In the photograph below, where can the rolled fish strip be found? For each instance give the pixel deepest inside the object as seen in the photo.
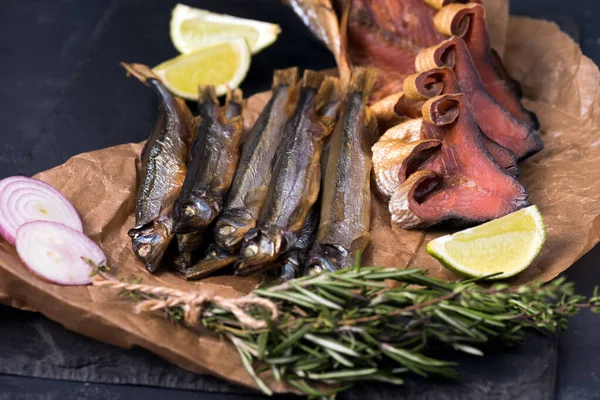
(391, 159)
(468, 22)
(437, 81)
(395, 109)
(437, 4)
(469, 188)
(401, 202)
(495, 120)
(431, 83)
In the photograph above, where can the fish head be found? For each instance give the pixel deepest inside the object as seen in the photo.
(183, 262)
(194, 214)
(260, 247)
(188, 242)
(214, 260)
(150, 243)
(231, 228)
(326, 258)
(292, 267)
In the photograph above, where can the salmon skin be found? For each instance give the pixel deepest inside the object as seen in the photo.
(251, 181)
(346, 197)
(212, 163)
(162, 173)
(297, 173)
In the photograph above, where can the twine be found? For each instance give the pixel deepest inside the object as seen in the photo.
(193, 303)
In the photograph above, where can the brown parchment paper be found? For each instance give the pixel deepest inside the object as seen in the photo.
(561, 86)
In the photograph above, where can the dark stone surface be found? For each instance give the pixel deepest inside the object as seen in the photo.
(31, 345)
(19, 388)
(64, 93)
(35, 346)
(524, 372)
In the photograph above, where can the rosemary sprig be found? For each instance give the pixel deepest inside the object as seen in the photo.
(378, 324)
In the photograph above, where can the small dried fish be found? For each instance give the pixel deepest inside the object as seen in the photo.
(250, 184)
(163, 171)
(212, 162)
(296, 186)
(346, 202)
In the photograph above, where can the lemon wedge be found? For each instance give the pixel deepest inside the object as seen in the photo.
(193, 29)
(505, 246)
(224, 65)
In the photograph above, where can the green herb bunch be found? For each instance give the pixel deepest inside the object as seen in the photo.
(378, 324)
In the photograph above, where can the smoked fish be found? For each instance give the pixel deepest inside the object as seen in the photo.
(293, 260)
(253, 176)
(212, 163)
(346, 196)
(162, 173)
(297, 173)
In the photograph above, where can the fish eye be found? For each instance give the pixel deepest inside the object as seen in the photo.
(226, 230)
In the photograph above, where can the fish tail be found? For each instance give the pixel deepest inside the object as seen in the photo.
(235, 96)
(312, 79)
(362, 81)
(329, 97)
(285, 77)
(207, 93)
(343, 62)
(207, 100)
(234, 105)
(140, 71)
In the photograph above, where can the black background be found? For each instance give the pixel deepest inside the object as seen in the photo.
(63, 93)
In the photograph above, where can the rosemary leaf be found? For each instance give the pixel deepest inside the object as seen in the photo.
(292, 339)
(332, 345)
(315, 297)
(246, 360)
(339, 358)
(343, 374)
(338, 328)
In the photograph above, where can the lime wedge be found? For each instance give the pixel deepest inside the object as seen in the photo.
(193, 29)
(224, 65)
(507, 245)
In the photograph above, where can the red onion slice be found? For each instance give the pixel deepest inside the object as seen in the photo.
(25, 199)
(54, 252)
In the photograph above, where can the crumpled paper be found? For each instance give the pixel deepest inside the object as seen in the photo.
(561, 86)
